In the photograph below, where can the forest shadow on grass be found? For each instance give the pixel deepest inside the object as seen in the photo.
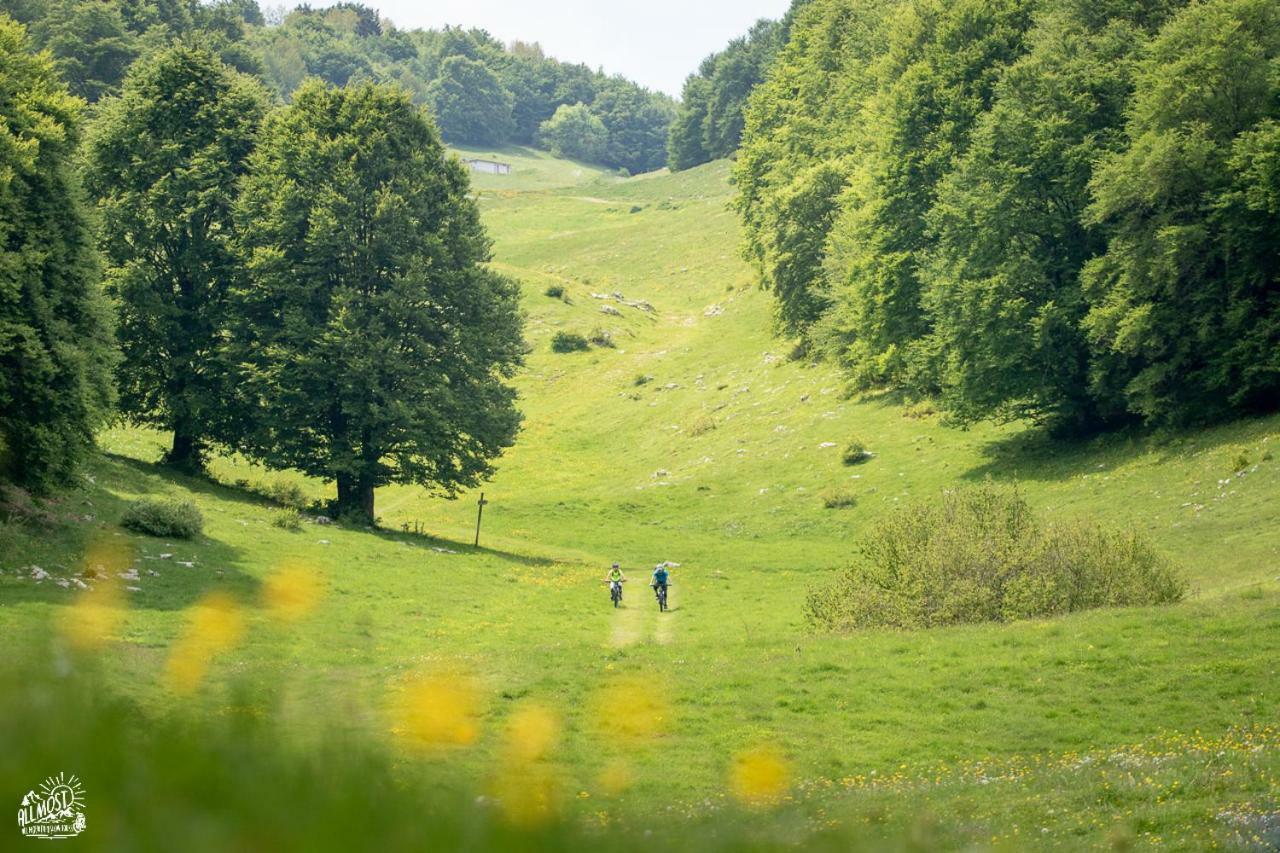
(90, 528)
(1035, 455)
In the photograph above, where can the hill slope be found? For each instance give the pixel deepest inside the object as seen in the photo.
(695, 439)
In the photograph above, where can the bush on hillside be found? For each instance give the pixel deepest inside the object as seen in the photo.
(568, 342)
(980, 555)
(555, 291)
(602, 338)
(180, 519)
(837, 497)
(702, 425)
(287, 519)
(854, 452)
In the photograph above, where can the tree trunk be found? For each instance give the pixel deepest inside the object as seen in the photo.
(187, 453)
(355, 498)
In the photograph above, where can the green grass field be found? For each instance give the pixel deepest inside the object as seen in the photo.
(696, 439)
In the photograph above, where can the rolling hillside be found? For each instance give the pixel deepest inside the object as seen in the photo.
(696, 438)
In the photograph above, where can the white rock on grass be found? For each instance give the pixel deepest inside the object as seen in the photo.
(38, 573)
(826, 444)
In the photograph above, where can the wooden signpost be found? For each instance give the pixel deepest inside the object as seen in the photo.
(479, 515)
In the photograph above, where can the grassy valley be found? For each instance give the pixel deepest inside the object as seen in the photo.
(697, 438)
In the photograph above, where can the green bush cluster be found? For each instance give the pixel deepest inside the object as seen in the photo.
(980, 555)
(855, 452)
(555, 291)
(568, 342)
(837, 497)
(176, 518)
(287, 519)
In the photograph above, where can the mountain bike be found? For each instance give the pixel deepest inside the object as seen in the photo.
(661, 591)
(615, 592)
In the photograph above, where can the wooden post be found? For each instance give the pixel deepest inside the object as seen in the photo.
(479, 515)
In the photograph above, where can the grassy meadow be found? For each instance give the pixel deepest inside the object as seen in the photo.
(502, 672)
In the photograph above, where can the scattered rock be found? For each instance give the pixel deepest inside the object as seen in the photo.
(713, 311)
(134, 588)
(610, 310)
(324, 541)
(63, 582)
(323, 519)
(190, 565)
(38, 573)
(660, 473)
(166, 556)
(827, 444)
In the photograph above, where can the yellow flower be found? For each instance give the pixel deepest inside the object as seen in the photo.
(527, 793)
(292, 592)
(616, 777)
(441, 711)
(759, 776)
(214, 625)
(532, 732)
(97, 613)
(632, 708)
(94, 617)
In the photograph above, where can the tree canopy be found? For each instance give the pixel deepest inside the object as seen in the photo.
(374, 345)
(55, 332)
(1023, 207)
(164, 161)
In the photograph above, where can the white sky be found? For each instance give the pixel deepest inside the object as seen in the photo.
(657, 43)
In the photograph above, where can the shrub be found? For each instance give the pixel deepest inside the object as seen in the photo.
(568, 342)
(854, 452)
(642, 379)
(180, 519)
(837, 497)
(702, 425)
(1241, 462)
(601, 338)
(287, 495)
(287, 519)
(979, 555)
(555, 291)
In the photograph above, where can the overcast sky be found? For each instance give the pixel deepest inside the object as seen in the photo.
(655, 42)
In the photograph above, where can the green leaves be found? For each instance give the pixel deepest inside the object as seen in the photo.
(55, 332)
(372, 342)
(1035, 210)
(164, 161)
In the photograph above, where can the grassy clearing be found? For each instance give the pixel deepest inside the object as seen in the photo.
(612, 468)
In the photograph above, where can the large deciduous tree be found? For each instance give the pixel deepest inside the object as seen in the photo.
(574, 132)
(164, 160)
(371, 334)
(55, 335)
(470, 103)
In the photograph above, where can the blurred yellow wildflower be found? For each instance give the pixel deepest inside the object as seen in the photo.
(441, 711)
(98, 611)
(292, 592)
(632, 707)
(616, 777)
(759, 776)
(214, 625)
(527, 793)
(94, 617)
(531, 733)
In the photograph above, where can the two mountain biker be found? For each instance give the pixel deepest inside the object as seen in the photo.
(659, 582)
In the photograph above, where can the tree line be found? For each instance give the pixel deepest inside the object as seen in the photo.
(480, 91)
(1054, 210)
(305, 284)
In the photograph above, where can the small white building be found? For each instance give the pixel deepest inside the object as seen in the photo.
(489, 167)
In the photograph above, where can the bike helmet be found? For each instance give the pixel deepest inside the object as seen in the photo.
(616, 566)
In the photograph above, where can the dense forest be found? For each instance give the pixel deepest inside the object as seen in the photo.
(1056, 210)
(480, 91)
